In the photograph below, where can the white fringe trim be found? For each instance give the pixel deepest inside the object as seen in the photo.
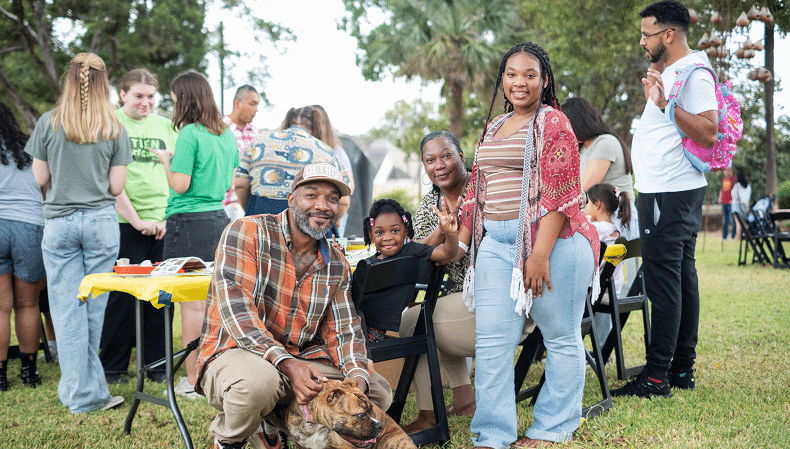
(468, 294)
(596, 287)
(523, 299)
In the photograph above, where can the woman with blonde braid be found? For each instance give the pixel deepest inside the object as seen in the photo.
(80, 150)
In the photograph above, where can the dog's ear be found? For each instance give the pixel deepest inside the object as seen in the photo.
(334, 395)
(350, 382)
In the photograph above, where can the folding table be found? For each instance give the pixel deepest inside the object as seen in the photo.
(160, 291)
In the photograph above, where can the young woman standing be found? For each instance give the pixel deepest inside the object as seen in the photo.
(199, 174)
(21, 263)
(80, 150)
(537, 256)
(141, 216)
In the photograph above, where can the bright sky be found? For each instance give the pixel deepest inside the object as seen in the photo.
(320, 68)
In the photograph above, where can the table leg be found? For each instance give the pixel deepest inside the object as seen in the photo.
(138, 320)
(142, 368)
(171, 395)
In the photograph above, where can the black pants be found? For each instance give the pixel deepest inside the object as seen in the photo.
(669, 223)
(118, 333)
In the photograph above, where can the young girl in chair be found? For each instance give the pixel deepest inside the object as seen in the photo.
(389, 227)
(603, 202)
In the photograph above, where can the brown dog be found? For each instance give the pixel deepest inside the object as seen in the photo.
(342, 417)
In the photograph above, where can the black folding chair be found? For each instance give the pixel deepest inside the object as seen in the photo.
(780, 259)
(752, 236)
(619, 308)
(533, 348)
(411, 274)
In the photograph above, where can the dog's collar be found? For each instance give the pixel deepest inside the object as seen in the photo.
(307, 414)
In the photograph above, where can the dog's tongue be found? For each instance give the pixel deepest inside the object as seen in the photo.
(360, 443)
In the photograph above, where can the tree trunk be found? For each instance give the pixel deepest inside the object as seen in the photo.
(770, 142)
(29, 113)
(455, 103)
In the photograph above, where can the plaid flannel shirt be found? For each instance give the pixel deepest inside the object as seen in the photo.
(256, 303)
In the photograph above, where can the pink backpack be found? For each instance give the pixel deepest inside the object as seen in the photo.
(730, 129)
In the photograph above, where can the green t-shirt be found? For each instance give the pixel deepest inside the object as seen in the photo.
(210, 160)
(80, 172)
(146, 182)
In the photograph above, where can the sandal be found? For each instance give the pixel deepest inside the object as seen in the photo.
(418, 425)
(527, 442)
(466, 410)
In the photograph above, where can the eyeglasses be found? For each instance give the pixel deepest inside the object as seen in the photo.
(645, 36)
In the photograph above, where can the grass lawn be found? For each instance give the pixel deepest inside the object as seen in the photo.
(742, 398)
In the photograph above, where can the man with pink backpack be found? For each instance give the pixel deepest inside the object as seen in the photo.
(671, 194)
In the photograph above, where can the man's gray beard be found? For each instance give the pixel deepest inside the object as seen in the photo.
(303, 224)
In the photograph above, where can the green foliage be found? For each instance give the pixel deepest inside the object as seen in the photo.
(595, 53)
(784, 196)
(404, 197)
(407, 123)
(164, 36)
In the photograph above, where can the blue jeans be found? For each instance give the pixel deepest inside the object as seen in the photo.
(726, 220)
(74, 246)
(557, 313)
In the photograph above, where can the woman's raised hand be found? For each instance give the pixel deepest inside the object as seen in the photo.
(448, 216)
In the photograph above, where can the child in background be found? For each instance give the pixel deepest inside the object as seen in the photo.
(603, 202)
(389, 227)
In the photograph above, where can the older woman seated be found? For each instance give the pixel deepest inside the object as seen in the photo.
(454, 325)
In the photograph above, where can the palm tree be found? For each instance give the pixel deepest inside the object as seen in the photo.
(449, 40)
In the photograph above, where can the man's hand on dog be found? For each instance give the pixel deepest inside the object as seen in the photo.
(361, 384)
(306, 380)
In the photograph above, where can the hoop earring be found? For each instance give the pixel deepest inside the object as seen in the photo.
(426, 180)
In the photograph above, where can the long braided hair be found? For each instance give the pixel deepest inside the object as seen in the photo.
(386, 206)
(84, 110)
(12, 139)
(548, 93)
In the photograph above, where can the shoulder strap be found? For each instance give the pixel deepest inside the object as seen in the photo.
(683, 75)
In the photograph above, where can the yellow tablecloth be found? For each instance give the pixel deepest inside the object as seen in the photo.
(182, 288)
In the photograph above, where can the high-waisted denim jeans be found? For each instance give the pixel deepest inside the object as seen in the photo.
(74, 246)
(557, 313)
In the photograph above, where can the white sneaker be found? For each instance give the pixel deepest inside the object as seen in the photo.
(182, 388)
(115, 401)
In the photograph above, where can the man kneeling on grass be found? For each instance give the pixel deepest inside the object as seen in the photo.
(279, 317)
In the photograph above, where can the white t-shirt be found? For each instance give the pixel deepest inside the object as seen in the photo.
(741, 196)
(656, 152)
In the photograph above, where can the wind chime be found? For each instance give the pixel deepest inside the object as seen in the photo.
(725, 29)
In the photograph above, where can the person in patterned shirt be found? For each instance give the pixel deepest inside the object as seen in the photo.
(268, 166)
(245, 106)
(279, 316)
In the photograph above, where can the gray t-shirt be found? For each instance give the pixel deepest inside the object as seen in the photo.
(20, 196)
(607, 147)
(80, 172)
